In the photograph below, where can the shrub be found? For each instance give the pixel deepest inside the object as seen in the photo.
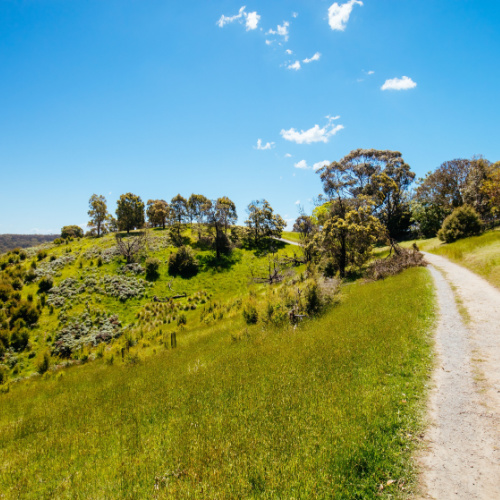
(19, 339)
(43, 362)
(152, 267)
(5, 291)
(250, 314)
(45, 284)
(313, 299)
(182, 320)
(4, 374)
(17, 284)
(41, 254)
(463, 222)
(25, 311)
(30, 276)
(182, 263)
(71, 232)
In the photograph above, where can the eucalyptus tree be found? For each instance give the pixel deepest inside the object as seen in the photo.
(98, 213)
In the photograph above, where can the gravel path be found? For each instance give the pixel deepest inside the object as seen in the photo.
(462, 455)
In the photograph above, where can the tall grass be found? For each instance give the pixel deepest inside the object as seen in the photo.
(480, 254)
(323, 410)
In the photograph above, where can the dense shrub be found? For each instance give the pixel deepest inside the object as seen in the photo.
(71, 232)
(19, 339)
(313, 299)
(26, 312)
(45, 284)
(17, 284)
(4, 374)
(250, 314)
(182, 263)
(5, 291)
(152, 267)
(43, 362)
(41, 254)
(463, 222)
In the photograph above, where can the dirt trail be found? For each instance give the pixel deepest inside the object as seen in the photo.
(462, 456)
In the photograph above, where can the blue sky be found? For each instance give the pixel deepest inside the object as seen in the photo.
(162, 97)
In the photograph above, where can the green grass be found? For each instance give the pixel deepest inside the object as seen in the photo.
(225, 281)
(291, 236)
(324, 410)
(480, 254)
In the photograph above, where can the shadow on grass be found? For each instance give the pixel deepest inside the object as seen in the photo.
(264, 247)
(223, 263)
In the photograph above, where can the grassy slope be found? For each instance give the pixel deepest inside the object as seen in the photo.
(480, 254)
(223, 284)
(291, 236)
(323, 410)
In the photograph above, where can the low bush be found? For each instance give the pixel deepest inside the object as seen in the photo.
(43, 362)
(250, 314)
(45, 284)
(183, 263)
(152, 266)
(71, 232)
(463, 222)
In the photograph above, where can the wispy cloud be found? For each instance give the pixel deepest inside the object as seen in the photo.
(289, 52)
(296, 66)
(404, 83)
(281, 30)
(338, 15)
(302, 164)
(297, 202)
(370, 72)
(314, 134)
(251, 19)
(288, 155)
(295, 14)
(263, 147)
(315, 57)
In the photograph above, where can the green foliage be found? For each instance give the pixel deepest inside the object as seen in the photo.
(262, 222)
(152, 266)
(98, 213)
(463, 222)
(4, 374)
(19, 339)
(5, 291)
(183, 263)
(17, 284)
(313, 299)
(250, 314)
(130, 212)
(45, 284)
(71, 232)
(43, 362)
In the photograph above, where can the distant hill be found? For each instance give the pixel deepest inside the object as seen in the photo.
(11, 241)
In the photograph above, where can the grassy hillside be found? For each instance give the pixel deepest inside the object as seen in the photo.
(480, 254)
(96, 297)
(324, 409)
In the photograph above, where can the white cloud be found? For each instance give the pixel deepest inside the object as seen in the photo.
(269, 42)
(229, 19)
(338, 15)
(315, 57)
(295, 14)
(281, 30)
(260, 146)
(251, 19)
(314, 134)
(371, 73)
(295, 66)
(289, 52)
(297, 202)
(320, 164)
(403, 83)
(302, 164)
(288, 155)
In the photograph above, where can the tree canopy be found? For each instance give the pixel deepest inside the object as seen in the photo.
(130, 212)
